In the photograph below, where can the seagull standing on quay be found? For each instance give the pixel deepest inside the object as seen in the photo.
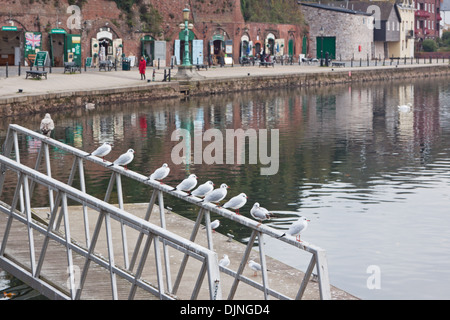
(255, 266)
(225, 261)
(187, 184)
(124, 159)
(260, 213)
(47, 125)
(214, 225)
(203, 189)
(102, 151)
(236, 202)
(217, 195)
(296, 228)
(160, 173)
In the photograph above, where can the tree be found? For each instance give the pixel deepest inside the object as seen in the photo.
(429, 45)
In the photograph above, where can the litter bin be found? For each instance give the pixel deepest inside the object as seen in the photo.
(126, 64)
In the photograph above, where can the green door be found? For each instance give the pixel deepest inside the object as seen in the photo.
(73, 48)
(329, 45)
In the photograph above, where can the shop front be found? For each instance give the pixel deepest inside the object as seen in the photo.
(11, 45)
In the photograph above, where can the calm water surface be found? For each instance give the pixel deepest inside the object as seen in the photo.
(374, 181)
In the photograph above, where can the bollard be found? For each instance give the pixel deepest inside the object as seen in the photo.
(153, 76)
(7, 69)
(169, 75)
(50, 69)
(165, 76)
(360, 62)
(19, 70)
(158, 63)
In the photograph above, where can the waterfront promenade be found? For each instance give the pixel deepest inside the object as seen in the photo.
(94, 80)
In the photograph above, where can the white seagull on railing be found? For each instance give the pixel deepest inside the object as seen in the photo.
(296, 228)
(255, 266)
(187, 184)
(260, 213)
(236, 202)
(203, 189)
(216, 195)
(102, 151)
(124, 159)
(160, 173)
(47, 125)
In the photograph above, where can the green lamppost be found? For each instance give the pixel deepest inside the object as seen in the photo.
(186, 60)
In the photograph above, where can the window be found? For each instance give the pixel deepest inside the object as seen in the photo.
(387, 26)
(432, 8)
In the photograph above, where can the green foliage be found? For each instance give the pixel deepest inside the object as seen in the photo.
(149, 17)
(272, 11)
(446, 38)
(429, 45)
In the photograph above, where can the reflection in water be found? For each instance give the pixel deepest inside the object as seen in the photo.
(373, 180)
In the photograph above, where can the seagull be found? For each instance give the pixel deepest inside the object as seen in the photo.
(47, 125)
(260, 213)
(296, 228)
(102, 151)
(405, 107)
(255, 266)
(214, 225)
(160, 173)
(236, 202)
(124, 159)
(225, 261)
(217, 195)
(187, 184)
(203, 189)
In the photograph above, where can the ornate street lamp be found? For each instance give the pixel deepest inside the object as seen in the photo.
(186, 26)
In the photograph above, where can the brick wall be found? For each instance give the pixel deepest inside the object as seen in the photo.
(208, 17)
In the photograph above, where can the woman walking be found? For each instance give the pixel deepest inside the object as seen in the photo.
(142, 66)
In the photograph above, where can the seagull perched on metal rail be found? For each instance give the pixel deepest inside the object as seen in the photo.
(160, 173)
(47, 125)
(296, 228)
(236, 202)
(217, 195)
(260, 213)
(203, 189)
(102, 151)
(124, 159)
(187, 184)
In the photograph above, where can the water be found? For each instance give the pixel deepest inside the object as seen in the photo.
(373, 181)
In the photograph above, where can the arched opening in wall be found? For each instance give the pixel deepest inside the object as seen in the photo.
(244, 48)
(257, 49)
(11, 42)
(57, 38)
(106, 46)
(270, 44)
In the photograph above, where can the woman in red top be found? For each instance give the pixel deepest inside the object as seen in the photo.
(142, 66)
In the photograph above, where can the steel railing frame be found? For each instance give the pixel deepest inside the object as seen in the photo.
(258, 231)
(107, 212)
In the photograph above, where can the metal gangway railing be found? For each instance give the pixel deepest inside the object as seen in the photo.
(318, 261)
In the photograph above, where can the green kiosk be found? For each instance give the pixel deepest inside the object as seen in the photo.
(64, 47)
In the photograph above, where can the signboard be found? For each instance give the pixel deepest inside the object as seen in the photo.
(9, 28)
(89, 62)
(58, 31)
(41, 59)
(33, 44)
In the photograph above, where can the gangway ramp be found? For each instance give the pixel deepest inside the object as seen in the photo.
(126, 256)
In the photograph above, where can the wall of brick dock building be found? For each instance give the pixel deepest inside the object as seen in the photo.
(209, 17)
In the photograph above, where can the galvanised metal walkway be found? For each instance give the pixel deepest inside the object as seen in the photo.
(44, 257)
